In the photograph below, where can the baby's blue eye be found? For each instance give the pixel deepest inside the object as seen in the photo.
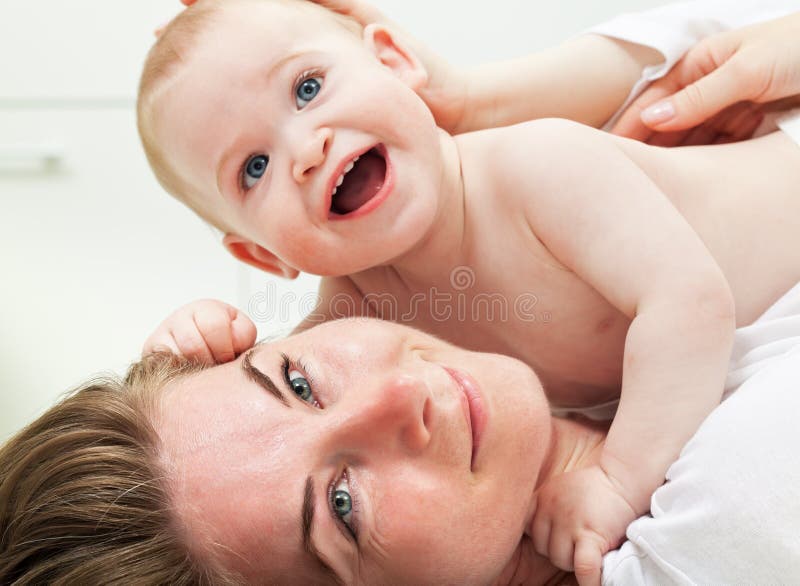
(307, 91)
(254, 169)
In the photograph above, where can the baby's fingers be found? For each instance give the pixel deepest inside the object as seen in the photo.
(243, 332)
(540, 533)
(190, 341)
(588, 560)
(561, 549)
(216, 329)
(160, 341)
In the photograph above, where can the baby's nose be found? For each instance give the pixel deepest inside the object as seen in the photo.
(310, 152)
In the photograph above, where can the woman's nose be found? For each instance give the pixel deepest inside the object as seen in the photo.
(310, 152)
(394, 415)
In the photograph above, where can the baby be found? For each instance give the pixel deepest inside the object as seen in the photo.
(303, 138)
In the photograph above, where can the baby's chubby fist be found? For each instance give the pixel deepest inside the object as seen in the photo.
(580, 515)
(207, 330)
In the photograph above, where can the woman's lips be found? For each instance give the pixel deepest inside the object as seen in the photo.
(475, 408)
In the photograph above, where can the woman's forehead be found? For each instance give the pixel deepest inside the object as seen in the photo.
(235, 479)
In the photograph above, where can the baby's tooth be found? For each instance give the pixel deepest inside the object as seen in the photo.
(340, 180)
(349, 166)
(334, 191)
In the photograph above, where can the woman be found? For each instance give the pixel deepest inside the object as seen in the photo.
(358, 451)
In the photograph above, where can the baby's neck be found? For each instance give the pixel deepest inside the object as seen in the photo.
(443, 246)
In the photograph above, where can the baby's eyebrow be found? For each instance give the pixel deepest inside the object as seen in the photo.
(261, 378)
(283, 62)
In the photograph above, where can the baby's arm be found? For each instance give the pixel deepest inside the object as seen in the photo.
(603, 217)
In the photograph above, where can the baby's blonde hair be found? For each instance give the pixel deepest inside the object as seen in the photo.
(83, 498)
(168, 54)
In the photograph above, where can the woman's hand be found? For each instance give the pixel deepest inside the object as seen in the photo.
(580, 515)
(757, 64)
(207, 331)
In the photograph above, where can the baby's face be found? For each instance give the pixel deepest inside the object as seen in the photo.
(297, 136)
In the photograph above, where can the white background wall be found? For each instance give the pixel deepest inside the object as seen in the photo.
(93, 253)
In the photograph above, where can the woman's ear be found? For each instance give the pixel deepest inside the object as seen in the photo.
(251, 253)
(392, 52)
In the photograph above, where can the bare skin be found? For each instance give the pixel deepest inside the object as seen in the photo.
(629, 258)
(576, 342)
(579, 348)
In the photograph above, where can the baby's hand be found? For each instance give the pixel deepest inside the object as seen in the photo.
(580, 515)
(209, 331)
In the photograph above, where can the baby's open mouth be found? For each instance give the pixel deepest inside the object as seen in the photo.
(360, 184)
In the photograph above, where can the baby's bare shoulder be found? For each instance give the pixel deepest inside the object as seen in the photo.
(530, 158)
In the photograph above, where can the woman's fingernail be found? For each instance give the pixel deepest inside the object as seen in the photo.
(658, 113)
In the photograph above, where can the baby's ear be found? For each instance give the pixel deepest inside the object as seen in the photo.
(392, 52)
(251, 253)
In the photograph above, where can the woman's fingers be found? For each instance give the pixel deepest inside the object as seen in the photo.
(699, 100)
(630, 122)
(363, 12)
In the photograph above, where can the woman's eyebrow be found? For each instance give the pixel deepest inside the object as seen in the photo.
(262, 379)
(307, 524)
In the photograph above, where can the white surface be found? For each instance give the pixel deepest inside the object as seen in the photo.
(730, 511)
(93, 253)
(76, 48)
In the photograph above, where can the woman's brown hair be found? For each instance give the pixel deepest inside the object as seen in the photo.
(83, 499)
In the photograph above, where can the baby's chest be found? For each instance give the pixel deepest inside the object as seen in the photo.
(539, 313)
(553, 321)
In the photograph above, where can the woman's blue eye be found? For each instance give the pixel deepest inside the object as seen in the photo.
(300, 386)
(343, 504)
(307, 91)
(298, 383)
(254, 169)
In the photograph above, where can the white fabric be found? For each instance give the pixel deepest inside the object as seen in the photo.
(730, 510)
(675, 28)
(789, 122)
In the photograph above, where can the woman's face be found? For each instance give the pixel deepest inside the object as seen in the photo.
(371, 459)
